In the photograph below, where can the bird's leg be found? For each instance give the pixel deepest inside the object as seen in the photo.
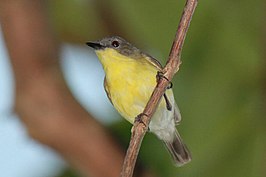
(168, 104)
(160, 75)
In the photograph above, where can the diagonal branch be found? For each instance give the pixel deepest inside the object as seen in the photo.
(139, 129)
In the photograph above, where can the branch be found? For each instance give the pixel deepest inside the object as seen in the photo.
(139, 129)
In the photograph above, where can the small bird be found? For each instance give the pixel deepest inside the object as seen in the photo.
(130, 78)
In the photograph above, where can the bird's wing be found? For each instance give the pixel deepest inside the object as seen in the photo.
(153, 61)
(107, 91)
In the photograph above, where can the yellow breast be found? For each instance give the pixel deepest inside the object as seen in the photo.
(129, 82)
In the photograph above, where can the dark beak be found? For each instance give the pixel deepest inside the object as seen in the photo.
(95, 45)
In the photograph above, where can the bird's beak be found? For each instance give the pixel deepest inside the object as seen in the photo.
(95, 45)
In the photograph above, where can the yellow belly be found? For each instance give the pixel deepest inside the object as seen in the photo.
(129, 82)
(130, 90)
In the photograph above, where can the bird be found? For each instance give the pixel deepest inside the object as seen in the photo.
(130, 78)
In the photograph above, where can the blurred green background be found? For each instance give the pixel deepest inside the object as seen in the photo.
(219, 87)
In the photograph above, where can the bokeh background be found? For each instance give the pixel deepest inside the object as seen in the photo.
(220, 88)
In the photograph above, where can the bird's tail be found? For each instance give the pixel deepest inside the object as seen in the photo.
(178, 150)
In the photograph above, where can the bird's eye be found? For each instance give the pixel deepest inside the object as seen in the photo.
(115, 44)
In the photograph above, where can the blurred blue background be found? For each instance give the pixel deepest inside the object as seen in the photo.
(20, 156)
(219, 87)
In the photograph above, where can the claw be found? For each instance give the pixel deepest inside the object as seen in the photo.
(170, 85)
(139, 120)
(160, 75)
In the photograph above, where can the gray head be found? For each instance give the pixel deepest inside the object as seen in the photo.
(117, 43)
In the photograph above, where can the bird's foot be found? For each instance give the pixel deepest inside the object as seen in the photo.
(161, 75)
(138, 119)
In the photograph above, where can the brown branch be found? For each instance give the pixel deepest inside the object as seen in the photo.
(139, 129)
